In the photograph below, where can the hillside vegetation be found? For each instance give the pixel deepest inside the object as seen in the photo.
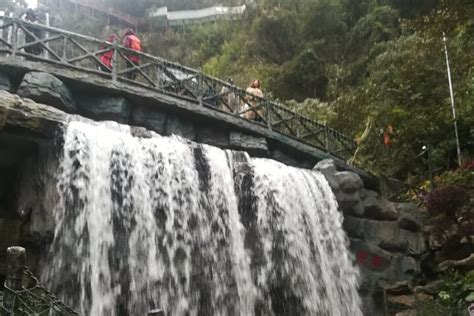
(365, 67)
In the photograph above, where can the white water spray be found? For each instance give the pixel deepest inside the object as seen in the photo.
(164, 223)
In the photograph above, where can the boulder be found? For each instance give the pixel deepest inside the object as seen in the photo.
(47, 89)
(105, 108)
(431, 288)
(256, 146)
(410, 221)
(5, 83)
(328, 168)
(399, 288)
(150, 118)
(407, 268)
(348, 201)
(176, 125)
(385, 234)
(213, 135)
(349, 182)
(402, 301)
(376, 207)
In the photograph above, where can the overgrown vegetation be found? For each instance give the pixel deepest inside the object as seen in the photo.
(350, 63)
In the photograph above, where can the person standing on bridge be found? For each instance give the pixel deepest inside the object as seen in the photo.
(107, 56)
(250, 106)
(132, 42)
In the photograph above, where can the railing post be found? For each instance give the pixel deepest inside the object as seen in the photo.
(326, 136)
(200, 88)
(269, 114)
(114, 63)
(16, 260)
(14, 38)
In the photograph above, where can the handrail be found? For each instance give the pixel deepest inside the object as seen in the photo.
(80, 52)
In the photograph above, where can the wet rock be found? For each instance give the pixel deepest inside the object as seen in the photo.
(378, 208)
(151, 118)
(409, 221)
(38, 197)
(214, 136)
(176, 125)
(254, 145)
(408, 268)
(431, 288)
(349, 182)
(141, 132)
(328, 168)
(47, 89)
(105, 108)
(385, 234)
(402, 301)
(5, 83)
(399, 288)
(347, 201)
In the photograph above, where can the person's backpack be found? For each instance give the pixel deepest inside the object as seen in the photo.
(135, 43)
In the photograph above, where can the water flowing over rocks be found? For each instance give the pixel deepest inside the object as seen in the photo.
(164, 223)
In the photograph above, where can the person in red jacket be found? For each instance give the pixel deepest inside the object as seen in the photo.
(131, 41)
(106, 57)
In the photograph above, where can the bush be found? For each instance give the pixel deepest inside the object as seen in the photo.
(461, 177)
(447, 200)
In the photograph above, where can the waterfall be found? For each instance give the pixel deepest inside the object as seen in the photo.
(162, 222)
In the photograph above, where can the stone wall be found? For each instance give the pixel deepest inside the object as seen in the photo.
(386, 238)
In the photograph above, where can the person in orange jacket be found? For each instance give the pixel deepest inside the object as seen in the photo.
(131, 41)
(106, 57)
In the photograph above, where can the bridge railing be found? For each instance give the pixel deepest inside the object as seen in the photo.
(19, 39)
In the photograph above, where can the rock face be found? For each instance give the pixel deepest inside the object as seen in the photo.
(176, 125)
(150, 118)
(386, 238)
(252, 144)
(5, 83)
(106, 108)
(47, 89)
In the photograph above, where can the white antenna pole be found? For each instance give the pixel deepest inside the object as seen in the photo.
(458, 146)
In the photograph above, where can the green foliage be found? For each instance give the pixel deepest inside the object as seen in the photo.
(457, 289)
(460, 177)
(370, 61)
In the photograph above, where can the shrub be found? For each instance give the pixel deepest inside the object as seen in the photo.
(461, 177)
(447, 200)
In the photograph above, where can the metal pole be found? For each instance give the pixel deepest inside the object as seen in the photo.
(16, 260)
(458, 146)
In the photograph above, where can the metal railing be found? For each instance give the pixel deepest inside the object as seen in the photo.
(79, 52)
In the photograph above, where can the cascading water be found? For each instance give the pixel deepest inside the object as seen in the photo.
(160, 222)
